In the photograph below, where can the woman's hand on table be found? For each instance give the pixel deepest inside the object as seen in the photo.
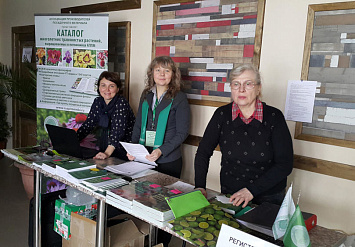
(243, 195)
(104, 155)
(101, 156)
(203, 191)
(154, 155)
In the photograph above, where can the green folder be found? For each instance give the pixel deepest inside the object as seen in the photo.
(187, 202)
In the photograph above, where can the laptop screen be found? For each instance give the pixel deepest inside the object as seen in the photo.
(65, 141)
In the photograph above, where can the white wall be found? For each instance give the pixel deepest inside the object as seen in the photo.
(332, 199)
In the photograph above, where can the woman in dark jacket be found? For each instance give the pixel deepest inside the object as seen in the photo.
(163, 117)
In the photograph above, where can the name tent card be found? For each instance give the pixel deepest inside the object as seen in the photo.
(231, 237)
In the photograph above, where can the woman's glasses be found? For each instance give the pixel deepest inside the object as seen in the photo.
(248, 85)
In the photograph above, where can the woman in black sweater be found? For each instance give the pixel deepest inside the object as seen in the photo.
(256, 145)
(112, 115)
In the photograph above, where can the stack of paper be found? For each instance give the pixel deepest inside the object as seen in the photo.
(154, 205)
(105, 182)
(79, 175)
(50, 165)
(64, 167)
(16, 152)
(129, 168)
(123, 196)
(36, 159)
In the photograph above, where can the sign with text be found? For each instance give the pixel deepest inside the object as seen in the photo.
(300, 100)
(71, 53)
(231, 237)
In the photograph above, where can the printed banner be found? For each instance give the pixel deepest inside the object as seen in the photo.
(71, 53)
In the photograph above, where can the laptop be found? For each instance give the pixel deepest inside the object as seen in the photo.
(65, 141)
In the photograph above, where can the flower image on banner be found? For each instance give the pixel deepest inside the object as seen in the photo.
(296, 234)
(84, 58)
(66, 119)
(54, 56)
(102, 57)
(75, 123)
(67, 59)
(41, 56)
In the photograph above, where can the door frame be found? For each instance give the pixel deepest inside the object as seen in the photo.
(17, 109)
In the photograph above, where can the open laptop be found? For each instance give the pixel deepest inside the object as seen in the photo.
(65, 141)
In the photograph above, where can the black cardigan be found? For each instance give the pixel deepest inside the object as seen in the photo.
(120, 126)
(257, 156)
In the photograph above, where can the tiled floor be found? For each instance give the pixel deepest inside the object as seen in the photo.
(14, 206)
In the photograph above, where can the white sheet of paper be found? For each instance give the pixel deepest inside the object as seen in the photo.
(143, 173)
(182, 186)
(129, 168)
(138, 151)
(300, 100)
(223, 199)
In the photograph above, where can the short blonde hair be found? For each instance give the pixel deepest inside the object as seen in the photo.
(237, 71)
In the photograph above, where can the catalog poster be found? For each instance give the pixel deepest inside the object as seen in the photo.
(71, 53)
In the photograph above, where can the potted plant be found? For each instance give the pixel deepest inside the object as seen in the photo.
(22, 88)
(5, 128)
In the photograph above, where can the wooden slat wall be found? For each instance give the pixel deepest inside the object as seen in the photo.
(316, 132)
(220, 34)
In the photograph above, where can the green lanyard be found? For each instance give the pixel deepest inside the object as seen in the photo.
(154, 110)
(161, 125)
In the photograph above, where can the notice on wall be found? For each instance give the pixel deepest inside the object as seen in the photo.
(26, 54)
(300, 100)
(71, 53)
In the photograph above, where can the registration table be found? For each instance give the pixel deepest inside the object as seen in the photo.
(319, 236)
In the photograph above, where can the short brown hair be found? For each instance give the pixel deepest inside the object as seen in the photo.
(110, 76)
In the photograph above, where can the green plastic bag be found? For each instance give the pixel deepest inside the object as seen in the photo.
(187, 202)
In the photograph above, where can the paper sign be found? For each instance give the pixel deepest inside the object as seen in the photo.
(27, 54)
(231, 237)
(300, 100)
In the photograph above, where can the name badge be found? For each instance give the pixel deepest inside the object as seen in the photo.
(150, 138)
